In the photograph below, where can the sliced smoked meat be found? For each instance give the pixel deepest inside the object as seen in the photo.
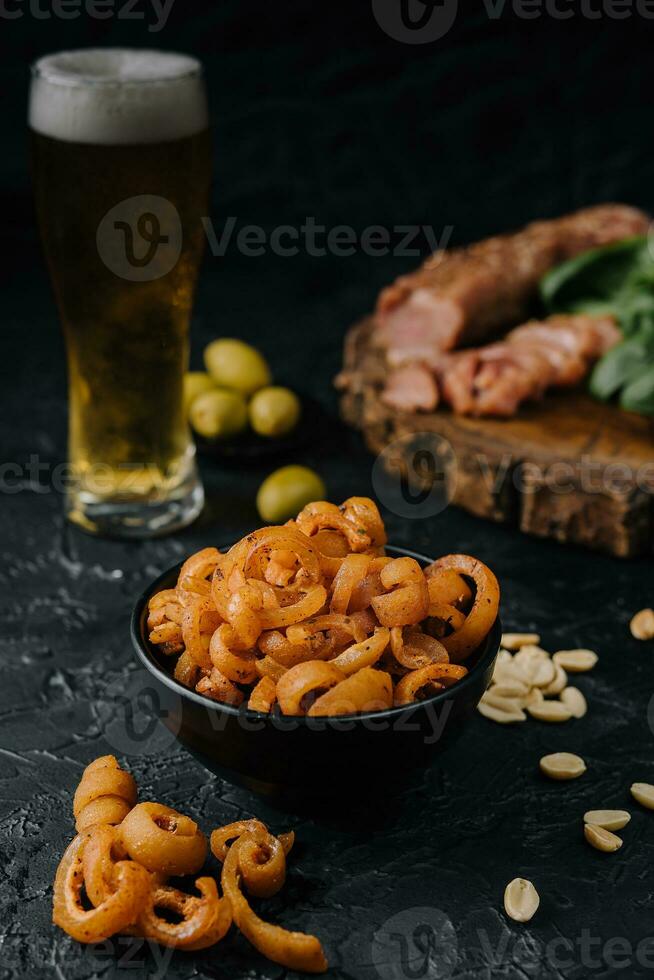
(465, 295)
(496, 379)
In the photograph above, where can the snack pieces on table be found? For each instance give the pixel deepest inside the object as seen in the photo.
(113, 877)
(314, 618)
(105, 795)
(256, 862)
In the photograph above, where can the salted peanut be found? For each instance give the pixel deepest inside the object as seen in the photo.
(562, 765)
(574, 699)
(504, 659)
(608, 819)
(644, 794)
(535, 696)
(508, 677)
(641, 625)
(511, 689)
(521, 900)
(527, 657)
(558, 684)
(513, 641)
(550, 711)
(512, 673)
(497, 714)
(601, 839)
(503, 703)
(531, 650)
(535, 665)
(575, 661)
(543, 674)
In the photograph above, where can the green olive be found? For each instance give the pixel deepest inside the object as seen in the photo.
(285, 492)
(274, 411)
(233, 364)
(219, 414)
(195, 383)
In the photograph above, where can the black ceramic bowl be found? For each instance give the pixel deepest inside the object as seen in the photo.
(296, 757)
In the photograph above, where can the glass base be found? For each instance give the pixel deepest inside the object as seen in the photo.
(137, 518)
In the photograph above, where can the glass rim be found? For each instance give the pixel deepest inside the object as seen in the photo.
(54, 76)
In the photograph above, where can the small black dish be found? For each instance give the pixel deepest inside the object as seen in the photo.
(250, 447)
(295, 758)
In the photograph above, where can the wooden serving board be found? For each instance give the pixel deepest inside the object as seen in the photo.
(568, 467)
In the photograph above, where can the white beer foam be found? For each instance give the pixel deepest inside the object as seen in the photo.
(117, 96)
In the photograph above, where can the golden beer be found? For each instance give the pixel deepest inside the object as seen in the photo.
(121, 168)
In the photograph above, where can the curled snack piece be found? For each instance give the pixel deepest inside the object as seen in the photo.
(194, 630)
(447, 586)
(216, 686)
(321, 515)
(365, 690)
(187, 670)
(131, 888)
(407, 599)
(224, 836)
(318, 589)
(479, 621)
(263, 696)
(349, 575)
(204, 919)
(267, 667)
(106, 794)
(414, 649)
(363, 654)
(193, 581)
(102, 850)
(427, 680)
(364, 512)
(262, 858)
(238, 667)
(294, 950)
(161, 839)
(304, 683)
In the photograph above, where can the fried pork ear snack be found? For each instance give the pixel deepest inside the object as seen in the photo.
(163, 840)
(101, 853)
(203, 920)
(105, 795)
(365, 690)
(257, 861)
(122, 872)
(289, 613)
(479, 620)
(131, 887)
(434, 678)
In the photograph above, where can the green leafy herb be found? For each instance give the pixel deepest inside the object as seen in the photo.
(617, 280)
(638, 396)
(619, 366)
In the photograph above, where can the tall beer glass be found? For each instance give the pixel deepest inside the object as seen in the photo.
(121, 164)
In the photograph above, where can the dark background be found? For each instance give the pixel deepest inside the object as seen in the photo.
(317, 112)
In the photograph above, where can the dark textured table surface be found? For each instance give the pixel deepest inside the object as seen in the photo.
(319, 113)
